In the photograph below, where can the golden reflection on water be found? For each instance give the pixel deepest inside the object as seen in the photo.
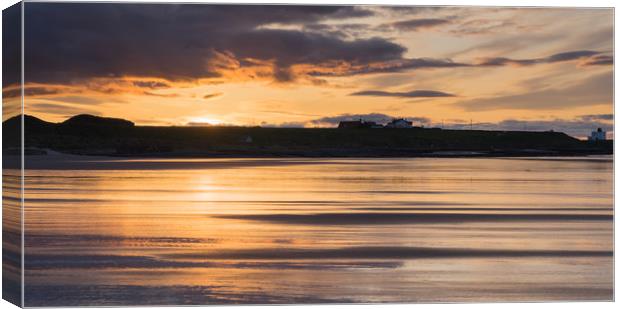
(319, 230)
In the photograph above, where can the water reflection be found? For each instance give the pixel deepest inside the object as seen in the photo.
(317, 230)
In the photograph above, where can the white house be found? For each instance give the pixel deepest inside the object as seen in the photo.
(399, 123)
(598, 135)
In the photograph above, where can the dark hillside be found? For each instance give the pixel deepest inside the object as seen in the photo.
(86, 134)
(85, 120)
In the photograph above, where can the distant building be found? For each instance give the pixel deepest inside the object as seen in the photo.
(598, 135)
(399, 123)
(358, 124)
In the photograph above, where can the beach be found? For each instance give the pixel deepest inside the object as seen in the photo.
(122, 231)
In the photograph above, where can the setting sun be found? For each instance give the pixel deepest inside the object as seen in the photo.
(204, 121)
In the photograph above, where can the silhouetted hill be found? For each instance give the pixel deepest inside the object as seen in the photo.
(11, 129)
(85, 120)
(87, 134)
(94, 126)
(32, 124)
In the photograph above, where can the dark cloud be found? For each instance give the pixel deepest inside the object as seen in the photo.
(340, 30)
(376, 117)
(289, 47)
(150, 84)
(212, 95)
(394, 66)
(410, 64)
(11, 45)
(330, 30)
(500, 61)
(597, 117)
(69, 42)
(594, 90)
(598, 60)
(199, 124)
(577, 127)
(73, 41)
(560, 57)
(572, 55)
(413, 10)
(29, 91)
(408, 94)
(283, 74)
(416, 24)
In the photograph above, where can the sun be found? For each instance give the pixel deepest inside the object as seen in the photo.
(206, 121)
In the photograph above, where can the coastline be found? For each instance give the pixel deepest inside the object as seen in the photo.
(333, 153)
(54, 160)
(104, 137)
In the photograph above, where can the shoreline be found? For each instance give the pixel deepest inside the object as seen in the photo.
(53, 160)
(99, 137)
(383, 153)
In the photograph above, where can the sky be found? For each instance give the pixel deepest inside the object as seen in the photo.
(313, 66)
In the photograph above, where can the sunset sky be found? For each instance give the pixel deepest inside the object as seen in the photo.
(293, 66)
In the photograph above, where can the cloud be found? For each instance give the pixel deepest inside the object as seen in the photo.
(572, 55)
(560, 57)
(376, 117)
(501, 61)
(153, 46)
(413, 10)
(504, 44)
(597, 60)
(392, 66)
(404, 64)
(150, 84)
(11, 46)
(212, 95)
(85, 100)
(415, 24)
(578, 127)
(409, 94)
(95, 87)
(199, 124)
(481, 26)
(594, 90)
(601, 117)
(31, 91)
(290, 124)
(343, 31)
(59, 109)
(290, 47)
(181, 42)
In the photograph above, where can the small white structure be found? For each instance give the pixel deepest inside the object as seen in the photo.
(598, 135)
(399, 123)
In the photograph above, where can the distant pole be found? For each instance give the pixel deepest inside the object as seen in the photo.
(471, 124)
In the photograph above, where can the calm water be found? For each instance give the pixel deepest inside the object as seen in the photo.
(318, 230)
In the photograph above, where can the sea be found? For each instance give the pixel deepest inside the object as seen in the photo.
(117, 231)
